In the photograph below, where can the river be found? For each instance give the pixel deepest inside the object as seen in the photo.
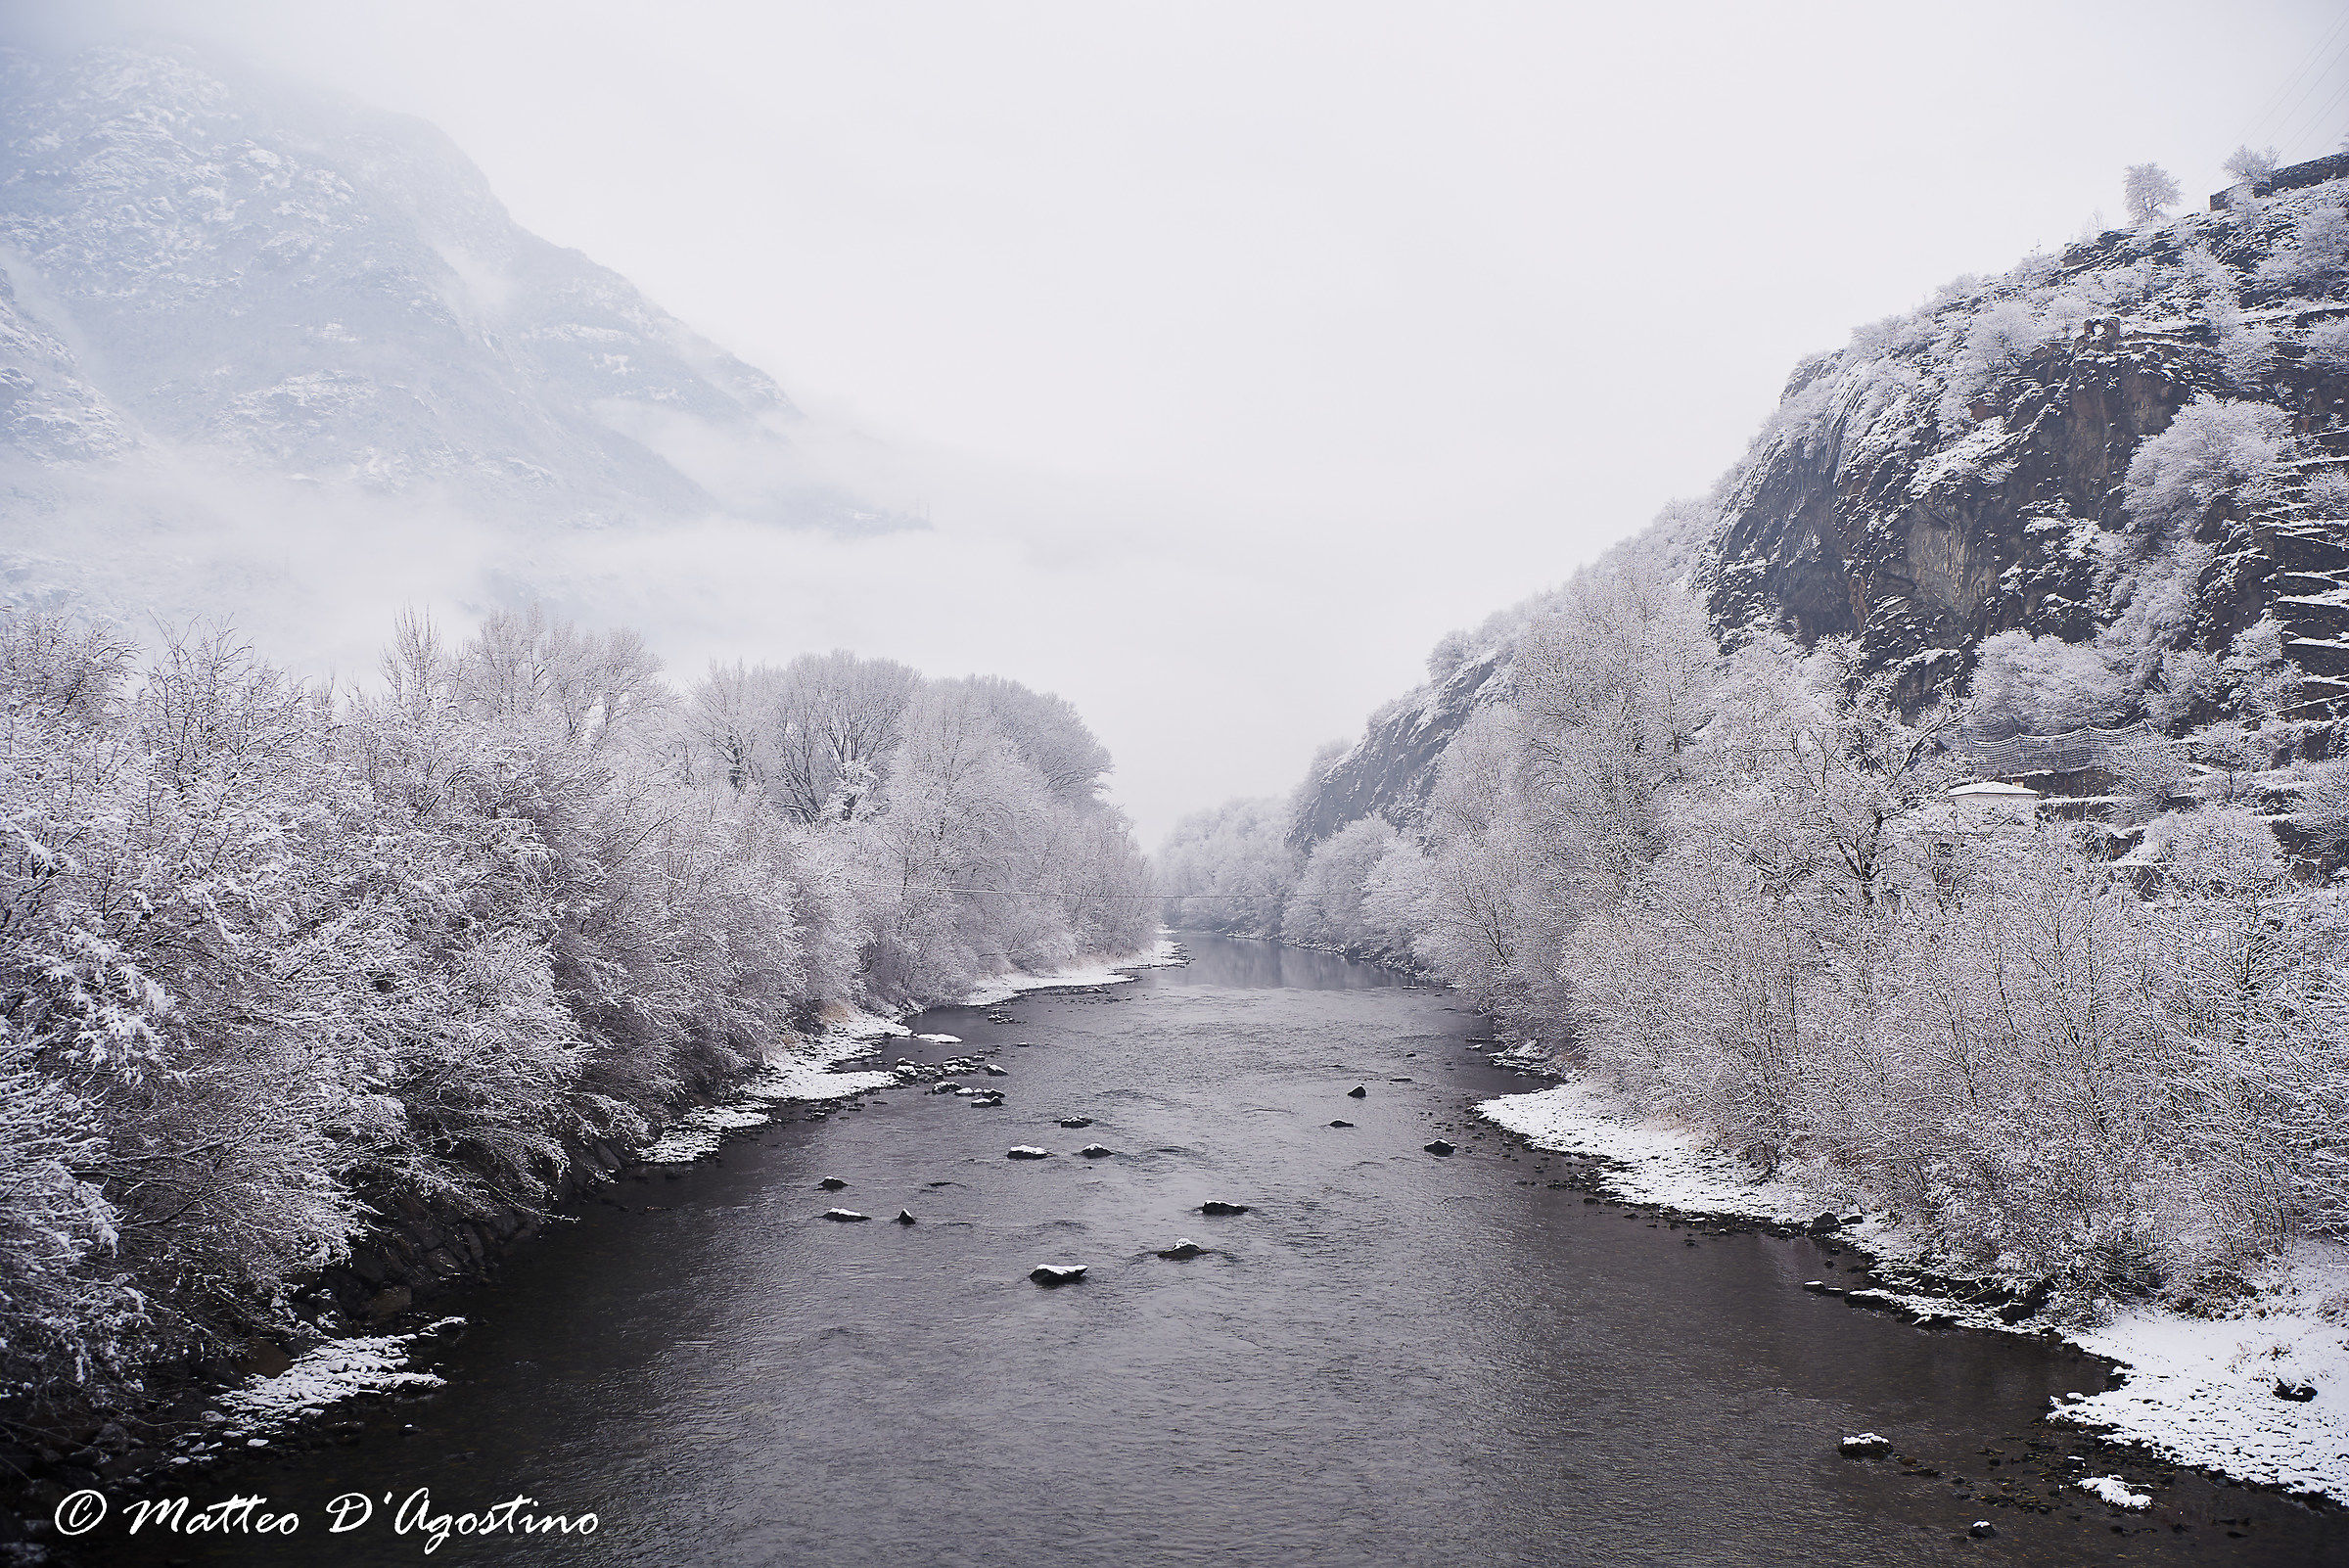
(1393, 1357)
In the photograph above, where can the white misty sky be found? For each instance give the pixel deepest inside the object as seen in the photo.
(1239, 350)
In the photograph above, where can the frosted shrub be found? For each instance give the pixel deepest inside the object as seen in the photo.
(1327, 908)
(2214, 450)
(2030, 685)
(2316, 259)
(2323, 812)
(2327, 347)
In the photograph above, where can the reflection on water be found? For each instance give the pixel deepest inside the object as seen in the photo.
(1232, 961)
(1391, 1359)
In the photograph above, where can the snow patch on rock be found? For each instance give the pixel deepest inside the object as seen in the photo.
(324, 1376)
(2115, 1490)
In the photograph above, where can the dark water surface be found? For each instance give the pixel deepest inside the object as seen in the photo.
(1393, 1359)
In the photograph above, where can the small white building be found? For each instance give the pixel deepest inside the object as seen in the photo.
(1990, 805)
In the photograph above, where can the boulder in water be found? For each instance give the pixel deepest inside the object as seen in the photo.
(1981, 1530)
(1185, 1247)
(1056, 1273)
(905, 1217)
(1095, 1151)
(1357, 1092)
(1438, 1148)
(845, 1216)
(831, 1183)
(1864, 1445)
(1076, 1121)
(993, 1071)
(1341, 1121)
(1218, 1206)
(1029, 1151)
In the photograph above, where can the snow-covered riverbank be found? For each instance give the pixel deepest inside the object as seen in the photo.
(2203, 1392)
(810, 1072)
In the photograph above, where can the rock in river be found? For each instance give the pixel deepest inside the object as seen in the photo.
(1438, 1148)
(845, 1216)
(831, 1183)
(1095, 1151)
(905, 1217)
(1185, 1247)
(1357, 1092)
(1056, 1273)
(1029, 1151)
(1076, 1121)
(993, 1071)
(1864, 1445)
(1341, 1121)
(1218, 1206)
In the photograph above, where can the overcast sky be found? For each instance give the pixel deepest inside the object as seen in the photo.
(1238, 351)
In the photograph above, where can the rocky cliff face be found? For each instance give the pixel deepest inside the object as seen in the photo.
(1959, 473)
(1391, 770)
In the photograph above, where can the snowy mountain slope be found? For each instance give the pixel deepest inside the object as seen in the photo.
(1965, 471)
(203, 258)
(1962, 470)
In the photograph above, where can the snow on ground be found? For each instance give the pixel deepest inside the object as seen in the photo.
(326, 1376)
(2201, 1391)
(2115, 1490)
(1652, 1163)
(846, 1033)
(1003, 988)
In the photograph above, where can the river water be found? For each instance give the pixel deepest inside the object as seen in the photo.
(1392, 1359)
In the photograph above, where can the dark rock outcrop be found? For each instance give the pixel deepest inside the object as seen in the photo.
(1390, 771)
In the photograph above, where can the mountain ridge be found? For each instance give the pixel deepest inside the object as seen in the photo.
(204, 268)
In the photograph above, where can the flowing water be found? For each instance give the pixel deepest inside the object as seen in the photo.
(1392, 1359)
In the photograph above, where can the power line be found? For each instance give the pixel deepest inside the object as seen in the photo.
(2322, 113)
(2315, 55)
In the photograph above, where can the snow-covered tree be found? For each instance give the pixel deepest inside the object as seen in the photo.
(2148, 192)
(2248, 166)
